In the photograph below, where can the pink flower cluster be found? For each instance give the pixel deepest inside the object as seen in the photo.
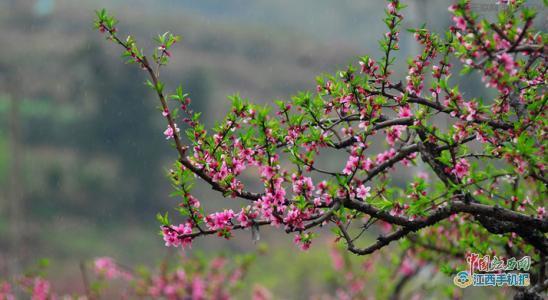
(352, 163)
(174, 285)
(461, 168)
(394, 133)
(171, 235)
(40, 288)
(302, 185)
(107, 267)
(6, 292)
(220, 220)
(384, 156)
(246, 216)
(369, 66)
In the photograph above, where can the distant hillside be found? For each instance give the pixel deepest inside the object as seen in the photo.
(354, 21)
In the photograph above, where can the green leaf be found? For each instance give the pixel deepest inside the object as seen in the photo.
(160, 87)
(43, 263)
(466, 69)
(163, 219)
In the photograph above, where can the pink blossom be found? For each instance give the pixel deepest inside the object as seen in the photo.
(351, 165)
(180, 274)
(106, 266)
(471, 110)
(460, 23)
(405, 112)
(261, 293)
(347, 131)
(317, 201)
(460, 132)
(394, 134)
(220, 220)
(407, 160)
(303, 240)
(40, 289)
(302, 184)
(385, 227)
(5, 291)
(169, 131)
(343, 295)
(357, 286)
(192, 201)
(362, 192)
(222, 173)
(508, 62)
(369, 67)
(198, 289)
(322, 186)
(391, 7)
(346, 100)
(246, 216)
(243, 219)
(407, 267)
(480, 136)
(367, 164)
(521, 164)
(236, 276)
(171, 235)
(155, 289)
(461, 168)
(386, 155)
(294, 218)
(541, 211)
(398, 209)
(336, 259)
(218, 263)
(170, 290)
(328, 199)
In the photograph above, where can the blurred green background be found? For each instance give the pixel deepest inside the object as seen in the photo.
(82, 155)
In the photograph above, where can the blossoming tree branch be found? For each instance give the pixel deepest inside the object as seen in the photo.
(483, 184)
